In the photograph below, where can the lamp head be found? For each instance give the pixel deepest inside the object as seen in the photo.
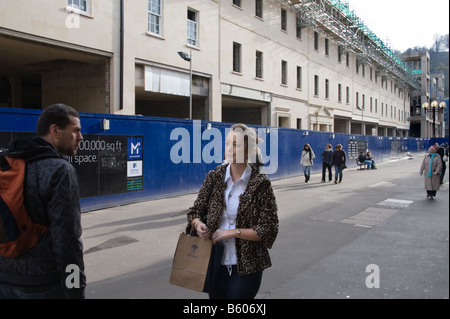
(184, 56)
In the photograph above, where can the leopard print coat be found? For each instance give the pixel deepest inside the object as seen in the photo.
(257, 210)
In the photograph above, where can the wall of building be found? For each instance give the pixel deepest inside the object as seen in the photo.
(97, 35)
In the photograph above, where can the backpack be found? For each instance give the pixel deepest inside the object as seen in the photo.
(18, 233)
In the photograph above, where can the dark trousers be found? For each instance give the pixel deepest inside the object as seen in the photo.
(325, 167)
(235, 286)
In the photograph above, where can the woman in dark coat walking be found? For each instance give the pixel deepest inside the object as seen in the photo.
(338, 161)
(326, 163)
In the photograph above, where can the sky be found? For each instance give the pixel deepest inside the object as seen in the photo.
(403, 24)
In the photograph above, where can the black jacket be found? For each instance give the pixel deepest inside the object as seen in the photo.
(51, 198)
(338, 158)
(327, 157)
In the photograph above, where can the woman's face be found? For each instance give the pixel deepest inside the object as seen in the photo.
(235, 148)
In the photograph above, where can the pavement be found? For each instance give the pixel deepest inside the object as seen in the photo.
(373, 236)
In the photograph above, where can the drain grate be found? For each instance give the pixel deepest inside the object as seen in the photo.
(396, 203)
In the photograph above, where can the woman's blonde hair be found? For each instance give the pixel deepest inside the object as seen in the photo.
(252, 151)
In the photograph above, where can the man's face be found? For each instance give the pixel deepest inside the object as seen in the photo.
(69, 138)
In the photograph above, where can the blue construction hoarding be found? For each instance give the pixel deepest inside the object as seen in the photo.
(127, 159)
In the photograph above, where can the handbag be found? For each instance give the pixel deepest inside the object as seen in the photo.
(445, 158)
(344, 166)
(190, 262)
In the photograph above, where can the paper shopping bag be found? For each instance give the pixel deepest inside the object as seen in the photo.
(190, 262)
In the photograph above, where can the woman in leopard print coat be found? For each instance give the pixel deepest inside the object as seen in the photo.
(255, 226)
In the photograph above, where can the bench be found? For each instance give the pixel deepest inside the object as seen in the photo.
(362, 166)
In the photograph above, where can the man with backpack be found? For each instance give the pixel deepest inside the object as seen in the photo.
(53, 266)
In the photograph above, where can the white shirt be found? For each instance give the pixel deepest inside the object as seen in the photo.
(228, 219)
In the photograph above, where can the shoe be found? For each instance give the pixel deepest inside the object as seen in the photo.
(335, 182)
(322, 181)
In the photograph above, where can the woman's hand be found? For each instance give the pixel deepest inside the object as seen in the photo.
(222, 235)
(202, 230)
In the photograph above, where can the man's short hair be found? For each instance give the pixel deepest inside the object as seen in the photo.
(58, 114)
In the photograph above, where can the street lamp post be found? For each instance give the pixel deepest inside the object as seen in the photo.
(362, 117)
(435, 107)
(188, 58)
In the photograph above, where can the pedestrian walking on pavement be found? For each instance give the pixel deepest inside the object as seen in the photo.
(431, 169)
(307, 161)
(236, 207)
(338, 161)
(327, 157)
(443, 153)
(51, 198)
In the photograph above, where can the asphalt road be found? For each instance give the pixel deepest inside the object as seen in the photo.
(374, 236)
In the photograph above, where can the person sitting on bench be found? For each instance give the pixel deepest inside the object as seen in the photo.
(362, 158)
(369, 161)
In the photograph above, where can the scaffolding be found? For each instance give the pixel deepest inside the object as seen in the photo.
(334, 19)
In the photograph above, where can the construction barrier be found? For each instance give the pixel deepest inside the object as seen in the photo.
(127, 159)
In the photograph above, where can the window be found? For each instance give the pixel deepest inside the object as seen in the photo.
(316, 85)
(340, 51)
(259, 8)
(82, 5)
(316, 41)
(237, 3)
(327, 88)
(284, 72)
(192, 27)
(236, 57)
(357, 66)
(259, 64)
(357, 100)
(347, 95)
(299, 77)
(283, 19)
(347, 59)
(339, 92)
(154, 17)
(298, 32)
(327, 47)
